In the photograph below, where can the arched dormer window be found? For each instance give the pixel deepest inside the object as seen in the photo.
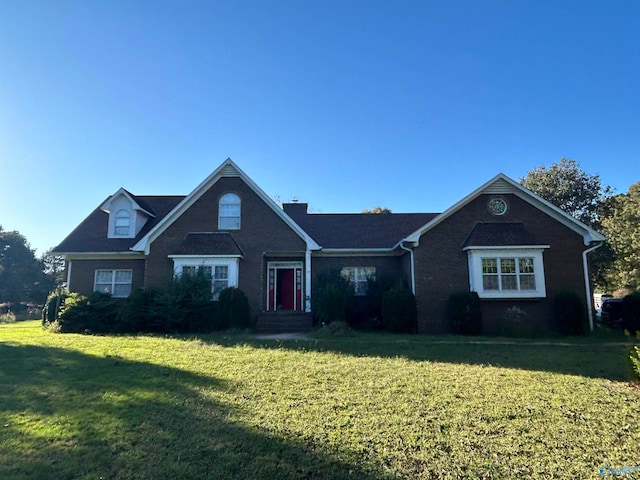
(122, 224)
(229, 212)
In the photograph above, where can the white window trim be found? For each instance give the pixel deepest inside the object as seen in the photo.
(476, 254)
(236, 201)
(113, 280)
(232, 263)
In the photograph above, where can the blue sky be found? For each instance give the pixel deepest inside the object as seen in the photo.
(344, 104)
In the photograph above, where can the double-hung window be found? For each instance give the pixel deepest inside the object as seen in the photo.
(359, 277)
(115, 282)
(507, 273)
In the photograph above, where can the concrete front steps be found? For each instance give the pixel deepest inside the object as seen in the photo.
(284, 322)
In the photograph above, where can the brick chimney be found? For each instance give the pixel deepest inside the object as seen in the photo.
(295, 209)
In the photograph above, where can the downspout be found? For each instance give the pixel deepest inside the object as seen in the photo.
(413, 273)
(587, 283)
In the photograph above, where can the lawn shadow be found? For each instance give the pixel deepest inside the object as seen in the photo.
(67, 415)
(592, 359)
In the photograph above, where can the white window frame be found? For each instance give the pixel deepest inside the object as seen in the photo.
(232, 264)
(228, 221)
(477, 254)
(112, 284)
(359, 277)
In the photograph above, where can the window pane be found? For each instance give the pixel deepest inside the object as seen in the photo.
(122, 290)
(489, 265)
(509, 282)
(527, 282)
(229, 223)
(104, 276)
(526, 265)
(348, 273)
(205, 270)
(103, 287)
(508, 265)
(221, 272)
(490, 282)
(189, 271)
(123, 276)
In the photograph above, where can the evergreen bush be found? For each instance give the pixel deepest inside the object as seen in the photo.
(464, 313)
(330, 297)
(569, 314)
(95, 313)
(136, 314)
(631, 312)
(233, 309)
(185, 307)
(399, 310)
(51, 308)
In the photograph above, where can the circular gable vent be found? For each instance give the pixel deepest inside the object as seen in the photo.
(498, 206)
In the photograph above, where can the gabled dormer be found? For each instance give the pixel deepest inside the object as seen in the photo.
(127, 214)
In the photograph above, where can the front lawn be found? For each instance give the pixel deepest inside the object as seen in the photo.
(364, 406)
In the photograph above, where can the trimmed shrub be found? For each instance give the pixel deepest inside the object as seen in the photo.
(233, 309)
(569, 313)
(399, 311)
(330, 297)
(95, 313)
(631, 312)
(185, 307)
(136, 314)
(464, 313)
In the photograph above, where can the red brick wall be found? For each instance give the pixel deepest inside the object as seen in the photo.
(261, 231)
(442, 265)
(83, 273)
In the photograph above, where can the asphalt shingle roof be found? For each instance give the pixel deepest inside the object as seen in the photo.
(208, 243)
(91, 234)
(360, 230)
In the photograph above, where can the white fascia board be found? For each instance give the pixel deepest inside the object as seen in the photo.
(102, 255)
(589, 235)
(106, 205)
(356, 252)
(508, 247)
(144, 243)
(197, 257)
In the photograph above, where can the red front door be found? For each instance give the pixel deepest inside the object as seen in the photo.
(285, 289)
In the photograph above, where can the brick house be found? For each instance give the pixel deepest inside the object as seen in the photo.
(502, 241)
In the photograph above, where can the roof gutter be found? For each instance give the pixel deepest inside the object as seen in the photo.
(587, 283)
(413, 272)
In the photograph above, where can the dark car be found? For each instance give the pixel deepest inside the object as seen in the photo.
(611, 311)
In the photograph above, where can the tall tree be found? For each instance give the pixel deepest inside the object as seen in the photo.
(567, 186)
(22, 278)
(582, 196)
(622, 228)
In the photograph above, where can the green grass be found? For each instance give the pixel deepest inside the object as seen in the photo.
(362, 406)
